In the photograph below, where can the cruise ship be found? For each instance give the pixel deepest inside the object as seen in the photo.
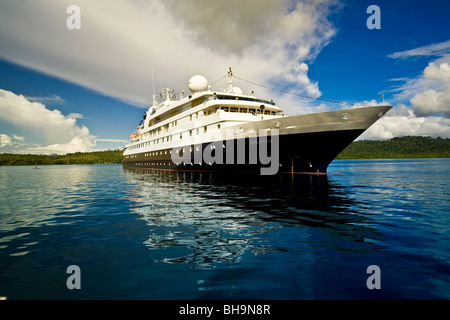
(234, 132)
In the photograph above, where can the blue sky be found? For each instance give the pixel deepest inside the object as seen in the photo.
(65, 90)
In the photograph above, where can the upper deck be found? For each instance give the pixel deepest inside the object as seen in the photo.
(205, 102)
(203, 108)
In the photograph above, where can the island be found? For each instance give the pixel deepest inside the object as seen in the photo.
(396, 148)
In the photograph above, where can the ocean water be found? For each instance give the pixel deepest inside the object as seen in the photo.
(174, 235)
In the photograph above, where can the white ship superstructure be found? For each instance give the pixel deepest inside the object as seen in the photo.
(174, 134)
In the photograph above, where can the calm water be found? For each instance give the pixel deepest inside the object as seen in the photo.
(168, 235)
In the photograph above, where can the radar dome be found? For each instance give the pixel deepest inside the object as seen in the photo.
(198, 83)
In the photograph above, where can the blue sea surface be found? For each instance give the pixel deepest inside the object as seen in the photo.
(175, 235)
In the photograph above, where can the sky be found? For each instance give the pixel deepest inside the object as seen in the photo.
(79, 81)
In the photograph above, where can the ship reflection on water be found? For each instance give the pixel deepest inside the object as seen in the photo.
(207, 219)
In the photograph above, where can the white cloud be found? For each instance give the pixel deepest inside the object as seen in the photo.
(432, 96)
(76, 144)
(60, 134)
(18, 138)
(121, 42)
(402, 121)
(75, 116)
(52, 99)
(423, 102)
(5, 140)
(429, 93)
(435, 49)
(431, 102)
(111, 140)
(434, 101)
(440, 71)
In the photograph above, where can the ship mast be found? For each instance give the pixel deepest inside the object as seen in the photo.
(230, 81)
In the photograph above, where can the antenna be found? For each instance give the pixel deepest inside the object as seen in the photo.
(154, 102)
(153, 83)
(230, 81)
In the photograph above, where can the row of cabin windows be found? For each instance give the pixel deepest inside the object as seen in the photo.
(253, 111)
(212, 111)
(156, 153)
(169, 138)
(208, 112)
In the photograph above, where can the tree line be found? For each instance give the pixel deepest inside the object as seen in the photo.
(402, 147)
(98, 157)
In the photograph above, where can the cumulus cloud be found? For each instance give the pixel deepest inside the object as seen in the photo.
(422, 104)
(429, 94)
(402, 121)
(60, 134)
(5, 140)
(434, 101)
(440, 71)
(121, 43)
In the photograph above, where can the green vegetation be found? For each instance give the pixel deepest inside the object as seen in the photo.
(100, 157)
(404, 147)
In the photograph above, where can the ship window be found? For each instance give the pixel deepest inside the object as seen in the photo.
(198, 102)
(190, 133)
(218, 126)
(205, 129)
(196, 115)
(181, 136)
(234, 109)
(224, 109)
(190, 117)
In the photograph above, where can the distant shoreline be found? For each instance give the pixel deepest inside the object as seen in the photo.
(409, 147)
(97, 157)
(396, 148)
